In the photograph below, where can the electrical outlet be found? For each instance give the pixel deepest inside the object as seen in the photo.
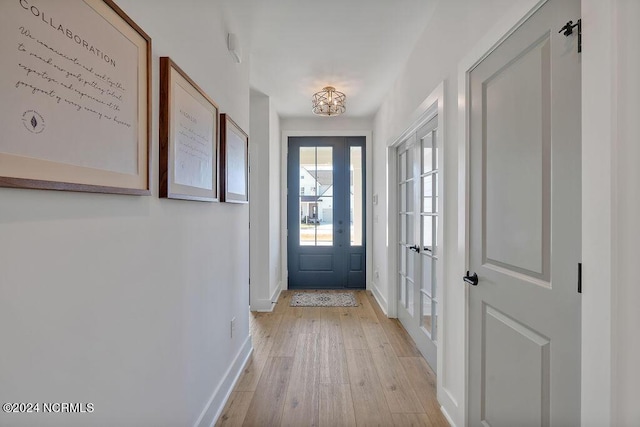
(233, 326)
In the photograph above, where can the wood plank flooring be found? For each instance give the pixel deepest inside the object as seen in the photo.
(332, 366)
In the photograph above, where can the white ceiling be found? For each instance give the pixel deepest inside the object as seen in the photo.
(297, 47)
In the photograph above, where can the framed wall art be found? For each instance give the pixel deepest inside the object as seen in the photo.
(234, 164)
(75, 88)
(188, 137)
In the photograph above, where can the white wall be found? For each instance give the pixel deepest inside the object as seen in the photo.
(326, 124)
(259, 235)
(275, 225)
(625, 314)
(611, 202)
(123, 301)
(264, 154)
(598, 134)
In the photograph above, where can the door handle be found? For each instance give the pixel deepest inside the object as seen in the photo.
(340, 230)
(415, 248)
(472, 280)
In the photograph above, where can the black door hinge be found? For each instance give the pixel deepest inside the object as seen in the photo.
(567, 30)
(579, 277)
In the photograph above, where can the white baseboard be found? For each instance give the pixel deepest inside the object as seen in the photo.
(218, 399)
(262, 305)
(382, 301)
(276, 294)
(446, 415)
(267, 305)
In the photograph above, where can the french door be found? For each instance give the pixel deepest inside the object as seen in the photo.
(326, 212)
(418, 213)
(525, 227)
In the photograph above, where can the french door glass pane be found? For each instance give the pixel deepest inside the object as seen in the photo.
(409, 237)
(426, 314)
(427, 153)
(428, 278)
(434, 315)
(403, 228)
(356, 195)
(403, 260)
(403, 166)
(403, 197)
(410, 288)
(403, 291)
(436, 165)
(427, 233)
(316, 196)
(435, 233)
(427, 194)
(410, 262)
(436, 197)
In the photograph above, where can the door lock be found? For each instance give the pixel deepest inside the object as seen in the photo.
(472, 280)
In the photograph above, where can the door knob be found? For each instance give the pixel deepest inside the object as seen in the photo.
(472, 280)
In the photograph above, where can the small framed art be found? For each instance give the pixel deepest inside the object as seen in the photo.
(234, 163)
(188, 137)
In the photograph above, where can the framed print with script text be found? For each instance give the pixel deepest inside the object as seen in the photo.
(234, 164)
(75, 97)
(188, 137)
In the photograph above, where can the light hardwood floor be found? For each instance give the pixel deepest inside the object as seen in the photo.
(332, 366)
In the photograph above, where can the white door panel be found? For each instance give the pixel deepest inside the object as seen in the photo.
(524, 315)
(510, 345)
(517, 209)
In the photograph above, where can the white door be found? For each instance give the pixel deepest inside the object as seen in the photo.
(525, 225)
(419, 265)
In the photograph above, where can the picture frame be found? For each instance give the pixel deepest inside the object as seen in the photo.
(189, 136)
(234, 163)
(76, 88)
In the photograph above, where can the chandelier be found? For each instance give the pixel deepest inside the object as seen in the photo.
(328, 102)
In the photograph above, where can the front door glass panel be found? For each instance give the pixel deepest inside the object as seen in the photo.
(316, 196)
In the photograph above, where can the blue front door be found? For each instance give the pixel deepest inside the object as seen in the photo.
(326, 212)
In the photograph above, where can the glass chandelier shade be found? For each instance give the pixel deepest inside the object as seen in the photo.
(328, 102)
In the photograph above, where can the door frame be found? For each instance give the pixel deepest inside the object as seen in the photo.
(368, 195)
(510, 22)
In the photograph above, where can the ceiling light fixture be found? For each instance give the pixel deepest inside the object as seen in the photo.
(328, 102)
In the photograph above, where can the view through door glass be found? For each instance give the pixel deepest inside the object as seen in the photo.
(316, 196)
(326, 213)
